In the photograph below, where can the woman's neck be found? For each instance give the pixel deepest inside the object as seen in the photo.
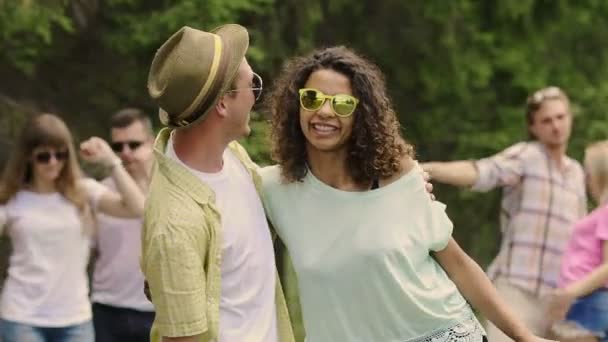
(331, 169)
(42, 186)
(557, 154)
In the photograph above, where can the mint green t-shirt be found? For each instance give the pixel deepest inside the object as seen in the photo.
(363, 259)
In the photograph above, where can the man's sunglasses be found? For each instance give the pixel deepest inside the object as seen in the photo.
(256, 86)
(45, 156)
(342, 105)
(118, 146)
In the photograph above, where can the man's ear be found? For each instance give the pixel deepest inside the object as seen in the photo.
(221, 107)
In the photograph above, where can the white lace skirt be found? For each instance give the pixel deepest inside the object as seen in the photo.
(469, 330)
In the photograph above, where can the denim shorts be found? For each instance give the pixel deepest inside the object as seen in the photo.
(591, 313)
(18, 332)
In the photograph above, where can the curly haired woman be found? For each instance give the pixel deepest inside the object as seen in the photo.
(373, 254)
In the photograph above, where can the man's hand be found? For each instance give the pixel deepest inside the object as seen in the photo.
(428, 185)
(97, 150)
(459, 173)
(560, 302)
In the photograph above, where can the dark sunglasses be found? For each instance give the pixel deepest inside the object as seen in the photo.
(45, 157)
(118, 146)
(256, 86)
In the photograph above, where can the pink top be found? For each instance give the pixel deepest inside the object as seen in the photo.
(584, 251)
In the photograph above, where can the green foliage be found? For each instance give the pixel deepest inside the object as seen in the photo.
(257, 142)
(134, 26)
(26, 30)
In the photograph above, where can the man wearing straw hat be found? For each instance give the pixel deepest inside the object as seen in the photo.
(206, 247)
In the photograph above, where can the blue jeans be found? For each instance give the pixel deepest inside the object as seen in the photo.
(18, 332)
(591, 313)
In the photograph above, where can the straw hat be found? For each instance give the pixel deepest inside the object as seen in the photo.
(192, 69)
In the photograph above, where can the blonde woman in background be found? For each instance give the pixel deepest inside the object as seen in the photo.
(46, 210)
(581, 303)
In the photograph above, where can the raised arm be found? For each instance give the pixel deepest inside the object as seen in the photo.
(502, 169)
(129, 200)
(459, 173)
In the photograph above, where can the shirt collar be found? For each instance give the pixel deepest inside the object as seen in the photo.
(177, 173)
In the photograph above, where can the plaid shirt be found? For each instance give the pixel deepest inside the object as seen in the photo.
(540, 204)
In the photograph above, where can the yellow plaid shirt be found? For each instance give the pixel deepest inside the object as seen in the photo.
(181, 250)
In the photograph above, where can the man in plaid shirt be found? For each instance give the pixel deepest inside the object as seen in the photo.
(543, 196)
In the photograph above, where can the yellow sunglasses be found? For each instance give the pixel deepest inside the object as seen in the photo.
(342, 105)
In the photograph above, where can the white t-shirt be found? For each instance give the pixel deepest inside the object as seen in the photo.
(363, 259)
(117, 277)
(247, 301)
(47, 282)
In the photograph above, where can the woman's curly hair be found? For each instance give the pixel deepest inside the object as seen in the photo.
(375, 148)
